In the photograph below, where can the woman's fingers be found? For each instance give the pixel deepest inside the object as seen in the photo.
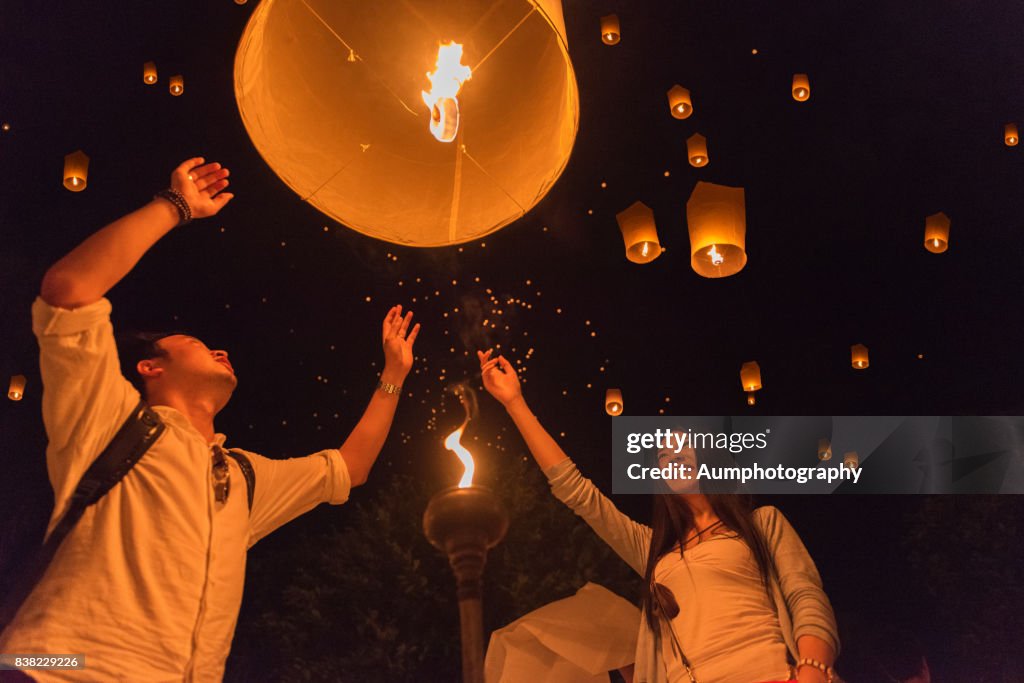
(405, 325)
(205, 181)
(186, 166)
(412, 335)
(216, 187)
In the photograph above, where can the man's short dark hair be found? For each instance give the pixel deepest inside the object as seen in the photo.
(133, 347)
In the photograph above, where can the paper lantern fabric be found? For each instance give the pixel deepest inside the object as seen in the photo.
(76, 171)
(578, 639)
(149, 73)
(936, 233)
(613, 402)
(801, 87)
(610, 31)
(639, 233)
(1010, 135)
(679, 102)
(176, 85)
(859, 357)
(716, 218)
(697, 150)
(330, 94)
(750, 376)
(16, 389)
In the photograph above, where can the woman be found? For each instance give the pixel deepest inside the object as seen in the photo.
(730, 592)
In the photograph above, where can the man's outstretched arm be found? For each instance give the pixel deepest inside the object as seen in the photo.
(363, 445)
(89, 271)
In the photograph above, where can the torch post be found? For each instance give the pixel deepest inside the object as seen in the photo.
(465, 523)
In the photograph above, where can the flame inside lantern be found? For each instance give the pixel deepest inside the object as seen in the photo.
(453, 444)
(716, 257)
(445, 83)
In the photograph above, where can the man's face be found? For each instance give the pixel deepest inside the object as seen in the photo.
(189, 360)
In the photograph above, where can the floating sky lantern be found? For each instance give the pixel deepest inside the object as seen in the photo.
(750, 378)
(176, 85)
(16, 389)
(1010, 135)
(610, 32)
(859, 356)
(331, 94)
(936, 233)
(824, 450)
(76, 171)
(697, 150)
(613, 402)
(851, 460)
(149, 73)
(717, 222)
(639, 233)
(801, 87)
(679, 102)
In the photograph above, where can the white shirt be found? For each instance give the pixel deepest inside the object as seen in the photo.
(727, 625)
(148, 585)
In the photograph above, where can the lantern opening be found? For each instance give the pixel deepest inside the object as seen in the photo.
(453, 444)
(445, 83)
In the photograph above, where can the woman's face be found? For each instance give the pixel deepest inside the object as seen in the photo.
(686, 457)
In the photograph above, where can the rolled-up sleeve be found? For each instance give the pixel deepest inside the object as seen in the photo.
(808, 605)
(85, 396)
(288, 488)
(629, 539)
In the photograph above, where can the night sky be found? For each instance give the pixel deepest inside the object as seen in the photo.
(905, 119)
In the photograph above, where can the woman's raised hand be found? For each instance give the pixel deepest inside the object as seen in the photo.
(500, 379)
(201, 185)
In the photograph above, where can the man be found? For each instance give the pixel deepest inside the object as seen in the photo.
(148, 584)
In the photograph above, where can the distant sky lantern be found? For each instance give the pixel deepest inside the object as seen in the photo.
(717, 220)
(750, 378)
(936, 233)
(176, 85)
(679, 102)
(610, 32)
(639, 233)
(76, 171)
(16, 389)
(331, 94)
(613, 402)
(851, 460)
(697, 150)
(445, 82)
(824, 450)
(859, 356)
(1010, 135)
(801, 87)
(149, 73)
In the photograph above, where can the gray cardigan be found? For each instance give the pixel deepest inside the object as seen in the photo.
(800, 601)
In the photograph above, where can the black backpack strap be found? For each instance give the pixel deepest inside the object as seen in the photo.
(142, 427)
(247, 472)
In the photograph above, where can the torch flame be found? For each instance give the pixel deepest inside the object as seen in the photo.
(452, 443)
(445, 83)
(716, 258)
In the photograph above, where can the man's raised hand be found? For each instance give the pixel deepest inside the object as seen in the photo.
(398, 343)
(500, 379)
(202, 186)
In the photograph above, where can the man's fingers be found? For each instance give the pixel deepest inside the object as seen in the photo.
(505, 365)
(204, 181)
(186, 166)
(489, 365)
(222, 199)
(216, 187)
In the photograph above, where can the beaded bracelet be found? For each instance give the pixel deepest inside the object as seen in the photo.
(823, 668)
(178, 200)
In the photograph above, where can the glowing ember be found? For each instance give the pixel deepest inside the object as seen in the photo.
(645, 249)
(716, 258)
(453, 444)
(445, 83)
(936, 241)
(750, 399)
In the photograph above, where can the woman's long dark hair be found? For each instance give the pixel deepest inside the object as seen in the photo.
(672, 524)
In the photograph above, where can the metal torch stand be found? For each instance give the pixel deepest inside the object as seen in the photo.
(465, 523)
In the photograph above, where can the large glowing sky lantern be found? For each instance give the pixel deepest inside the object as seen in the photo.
(418, 122)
